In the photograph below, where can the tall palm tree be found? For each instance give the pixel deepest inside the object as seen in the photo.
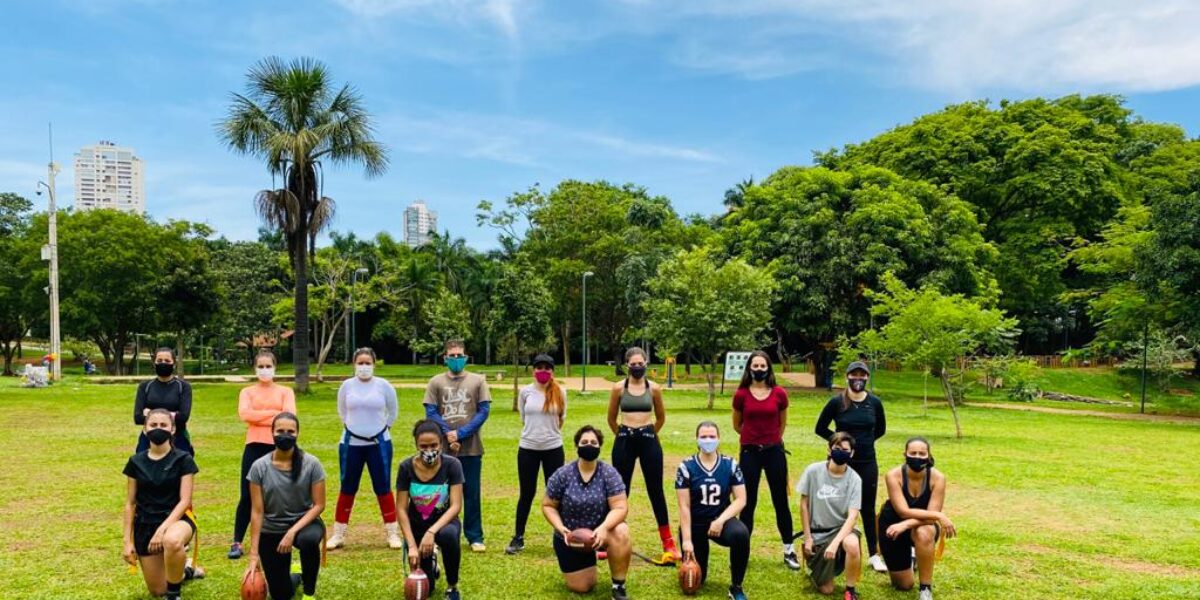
(293, 117)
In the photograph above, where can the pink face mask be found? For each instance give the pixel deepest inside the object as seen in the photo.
(543, 377)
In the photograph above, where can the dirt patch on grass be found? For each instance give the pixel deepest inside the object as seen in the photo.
(1092, 413)
(1128, 565)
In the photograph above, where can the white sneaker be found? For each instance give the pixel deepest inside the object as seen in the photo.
(478, 547)
(925, 595)
(876, 562)
(338, 539)
(395, 542)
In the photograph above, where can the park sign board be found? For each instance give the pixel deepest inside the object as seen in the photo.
(735, 364)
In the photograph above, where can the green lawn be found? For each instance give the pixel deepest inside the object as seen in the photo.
(1047, 506)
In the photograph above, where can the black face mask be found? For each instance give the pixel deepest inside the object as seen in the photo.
(285, 442)
(858, 385)
(839, 456)
(158, 436)
(163, 369)
(916, 464)
(637, 372)
(759, 375)
(588, 453)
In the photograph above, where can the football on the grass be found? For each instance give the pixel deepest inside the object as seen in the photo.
(254, 587)
(689, 577)
(582, 539)
(416, 586)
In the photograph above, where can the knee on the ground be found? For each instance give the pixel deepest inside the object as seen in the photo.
(582, 584)
(825, 588)
(902, 586)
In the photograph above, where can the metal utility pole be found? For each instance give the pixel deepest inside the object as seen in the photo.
(353, 314)
(586, 274)
(51, 254)
(1145, 352)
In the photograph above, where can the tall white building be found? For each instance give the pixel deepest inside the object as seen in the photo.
(419, 223)
(109, 176)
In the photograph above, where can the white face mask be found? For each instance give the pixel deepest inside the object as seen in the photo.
(364, 372)
(265, 373)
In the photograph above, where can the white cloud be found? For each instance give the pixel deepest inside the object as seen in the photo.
(500, 13)
(520, 141)
(1031, 45)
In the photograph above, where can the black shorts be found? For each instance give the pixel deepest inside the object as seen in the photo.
(144, 532)
(897, 553)
(571, 560)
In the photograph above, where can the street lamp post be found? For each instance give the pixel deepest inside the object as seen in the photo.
(52, 247)
(353, 314)
(586, 274)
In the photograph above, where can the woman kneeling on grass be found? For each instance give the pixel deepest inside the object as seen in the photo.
(157, 524)
(429, 496)
(912, 519)
(831, 494)
(287, 495)
(589, 494)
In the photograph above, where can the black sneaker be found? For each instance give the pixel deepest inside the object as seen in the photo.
(516, 545)
(618, 592)
(453, 594)
(235, 551)
(789, 559)
(736, 593)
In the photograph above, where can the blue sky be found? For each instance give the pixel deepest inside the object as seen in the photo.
(478, 99)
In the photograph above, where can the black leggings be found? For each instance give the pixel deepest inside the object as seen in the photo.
(869, 472)
(642, 444)
(241, 518)
(771, 459)
(448, 540)
(278, 567)
(528, 464)
(734, 536)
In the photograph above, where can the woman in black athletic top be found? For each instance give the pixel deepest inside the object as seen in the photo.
(912, 518)
(637, 439)
(168, 392)
(859, 413)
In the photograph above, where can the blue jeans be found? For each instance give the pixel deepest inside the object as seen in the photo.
(472, 518)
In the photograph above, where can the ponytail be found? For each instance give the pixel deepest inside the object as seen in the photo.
(555, 400)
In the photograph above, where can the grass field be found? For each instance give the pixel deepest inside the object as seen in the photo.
(1048, 506)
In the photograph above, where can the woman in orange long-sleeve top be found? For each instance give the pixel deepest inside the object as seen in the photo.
(257, 406)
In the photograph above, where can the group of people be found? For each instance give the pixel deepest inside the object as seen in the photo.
(283, 490)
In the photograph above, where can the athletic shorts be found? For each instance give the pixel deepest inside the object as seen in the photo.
(823, 570)
(897, 553)
(144, 532)
(571, 560)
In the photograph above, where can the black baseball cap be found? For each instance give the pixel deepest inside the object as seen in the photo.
(543, 359)
(857, 365)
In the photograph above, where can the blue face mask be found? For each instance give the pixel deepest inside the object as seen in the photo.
(708, 445)
(456, 364)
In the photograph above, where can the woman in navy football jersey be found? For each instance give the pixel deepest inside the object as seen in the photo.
(711, 493)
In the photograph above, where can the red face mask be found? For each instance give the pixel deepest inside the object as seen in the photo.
(543, 377)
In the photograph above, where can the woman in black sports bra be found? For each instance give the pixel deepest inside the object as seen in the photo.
(912, 517)
(637, 439)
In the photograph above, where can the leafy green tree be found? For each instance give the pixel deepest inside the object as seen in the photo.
(1039, 174)
(830, 235)
(250, 280)
(1170, 263)
(930, 330)
(292, 117)
(114, 270)
(520, 317)
(447, 317)
(16, 308)
(702, 309)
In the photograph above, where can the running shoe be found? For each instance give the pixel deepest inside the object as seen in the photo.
(453, 595)
(478, 547)
(338, 539)
(235, 551)
(619, 593)
(850, 595)
(516, 545)
(789, 559)
(926, 594)
(736, 593)
(876, 562)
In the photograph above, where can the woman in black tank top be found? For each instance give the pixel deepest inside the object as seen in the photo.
(912, 518)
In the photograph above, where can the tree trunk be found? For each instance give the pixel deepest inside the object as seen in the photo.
(516, 367)
(20, 349)
(712, 386)
(300, 333)
(781, 352)
(179, 370)
(9, 348)
(1196, 362)
(566, 346)
(948, 390)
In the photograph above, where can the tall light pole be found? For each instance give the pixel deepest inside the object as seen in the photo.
(586, 274)
(353, 315)
(52, 252)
